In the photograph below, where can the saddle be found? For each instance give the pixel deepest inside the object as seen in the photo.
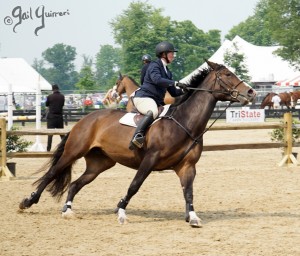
(133, 118)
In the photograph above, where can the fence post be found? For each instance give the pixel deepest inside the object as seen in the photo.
(4, 171)
(288, 157)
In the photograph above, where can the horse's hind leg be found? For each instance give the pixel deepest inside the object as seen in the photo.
(96, 163)
(62, 168)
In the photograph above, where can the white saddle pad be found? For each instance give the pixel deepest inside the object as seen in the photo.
(128, 119)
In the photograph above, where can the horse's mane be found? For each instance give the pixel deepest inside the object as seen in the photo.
(193, 83)
(130, 78)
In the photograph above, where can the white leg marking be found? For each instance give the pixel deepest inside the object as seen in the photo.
(122, 218)
(195, 221)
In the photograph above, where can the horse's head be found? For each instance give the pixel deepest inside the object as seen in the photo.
(120, 88)
(125, 84)
(228, 87)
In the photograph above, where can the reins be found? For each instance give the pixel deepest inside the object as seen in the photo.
(230, 91)
(195, 140)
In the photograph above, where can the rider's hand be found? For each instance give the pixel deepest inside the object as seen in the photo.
(181, 86)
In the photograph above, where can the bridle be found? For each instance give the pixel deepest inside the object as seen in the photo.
(232, 91)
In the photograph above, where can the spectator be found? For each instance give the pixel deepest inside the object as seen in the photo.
(276, 101)
(54, 103)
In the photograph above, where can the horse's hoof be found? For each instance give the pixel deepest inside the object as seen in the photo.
(194, 220)
(195, 223)
(68, 214)
(116, 210)
(24, 204)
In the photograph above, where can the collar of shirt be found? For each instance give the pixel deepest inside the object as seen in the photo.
(165, 65)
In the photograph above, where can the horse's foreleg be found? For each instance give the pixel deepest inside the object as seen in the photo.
(187, 176)
(96, 164)
(141, 175)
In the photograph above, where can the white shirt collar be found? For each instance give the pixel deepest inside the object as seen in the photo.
(165, 64)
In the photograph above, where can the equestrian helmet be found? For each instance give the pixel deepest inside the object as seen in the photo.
(146, 57)
(164, 47)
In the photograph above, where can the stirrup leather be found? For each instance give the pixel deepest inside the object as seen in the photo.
(138, 140)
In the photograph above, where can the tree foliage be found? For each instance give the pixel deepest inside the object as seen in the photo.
(254, 29)
(86, 79)
(61, 59)
(141, 27)
(236, 60)
(283, 18)
(108, 64)
(275, 22)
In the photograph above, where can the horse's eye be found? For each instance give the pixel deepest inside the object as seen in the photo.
(228, 74)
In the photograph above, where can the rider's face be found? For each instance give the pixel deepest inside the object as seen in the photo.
(171, 56)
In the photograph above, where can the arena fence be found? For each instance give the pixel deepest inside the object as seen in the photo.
(288, 157)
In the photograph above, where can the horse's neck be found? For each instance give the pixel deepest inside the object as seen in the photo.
(130, 87)
(196, 111)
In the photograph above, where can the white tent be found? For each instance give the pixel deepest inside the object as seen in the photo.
(262, 64)
(21, 76)
(17, 76)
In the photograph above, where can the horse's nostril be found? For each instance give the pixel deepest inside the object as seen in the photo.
(251, 92)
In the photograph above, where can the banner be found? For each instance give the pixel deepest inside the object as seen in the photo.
(244, 115)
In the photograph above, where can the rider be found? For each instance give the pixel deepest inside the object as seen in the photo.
(158, 80)
(146, 61)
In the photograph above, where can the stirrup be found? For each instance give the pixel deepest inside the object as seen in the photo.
(138, 140)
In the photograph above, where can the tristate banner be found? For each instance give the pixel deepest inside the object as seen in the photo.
(244, 115)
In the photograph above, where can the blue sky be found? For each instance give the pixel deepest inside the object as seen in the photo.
(85, 24)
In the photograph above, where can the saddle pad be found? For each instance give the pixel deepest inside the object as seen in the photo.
(128, 118)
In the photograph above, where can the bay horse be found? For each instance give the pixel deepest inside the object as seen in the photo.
(128, 85)
(295, 95)
(284, 96)
(172, 143)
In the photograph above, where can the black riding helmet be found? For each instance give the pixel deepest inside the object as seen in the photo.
(164, 47)
(146, 57)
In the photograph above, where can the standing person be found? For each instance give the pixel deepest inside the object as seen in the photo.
(276, 101)
(55, 103)
(157, 81)
(146, 61)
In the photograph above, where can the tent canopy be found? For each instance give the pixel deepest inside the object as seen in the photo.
(294, 81)
(262, 64)
(22, 77)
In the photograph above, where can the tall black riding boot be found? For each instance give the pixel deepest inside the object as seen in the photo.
(139, 135)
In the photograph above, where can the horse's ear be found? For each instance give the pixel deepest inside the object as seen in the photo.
(120, 75)
(212, 65)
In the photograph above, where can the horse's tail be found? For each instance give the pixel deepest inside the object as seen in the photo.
(62, 178)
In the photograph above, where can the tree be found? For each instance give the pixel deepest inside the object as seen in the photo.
(275, 22)
(235, 60)
(62, 70)
(108, 62)
(194, 46)
(254, 29)
(138, 30)
(86, 79)
(141, 27)
(283, 18)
